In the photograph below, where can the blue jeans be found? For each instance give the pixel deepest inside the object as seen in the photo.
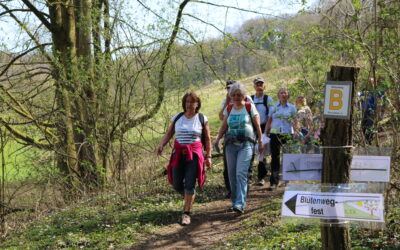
(238, 157)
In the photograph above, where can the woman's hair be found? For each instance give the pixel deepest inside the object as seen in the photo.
(237, 86)
(195, 97)
(302, 100)
(283, 89)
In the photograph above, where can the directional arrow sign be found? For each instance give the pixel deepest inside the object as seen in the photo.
(341, 206)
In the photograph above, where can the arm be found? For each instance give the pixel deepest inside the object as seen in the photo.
(222, 130)
(295, 124)
(208, 145)
(293, 114)
(256, 121)
(268, 126)
(166, 138)
(221, 112)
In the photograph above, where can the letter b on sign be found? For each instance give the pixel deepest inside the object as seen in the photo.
(338, 99)
(335, 100)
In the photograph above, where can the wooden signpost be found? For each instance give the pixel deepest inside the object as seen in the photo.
(337, 139)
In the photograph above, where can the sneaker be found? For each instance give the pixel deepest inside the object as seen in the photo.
(230, 210)
(283, 184)
(272, 187)
(238, 210)
(260, 183)
(185, 219)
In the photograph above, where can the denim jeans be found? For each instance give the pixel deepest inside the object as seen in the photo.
(238, 157)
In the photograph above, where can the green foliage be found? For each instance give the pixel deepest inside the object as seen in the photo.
(23, 163)
(100, 225)
(264, 231)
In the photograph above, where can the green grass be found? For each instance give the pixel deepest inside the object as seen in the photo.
(21, 162)
(111, 220)
(98, 226)
(265, 230)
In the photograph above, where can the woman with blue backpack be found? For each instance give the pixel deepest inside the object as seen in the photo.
(187, 160)
(241, 128)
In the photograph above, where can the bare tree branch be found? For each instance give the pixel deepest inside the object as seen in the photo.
(161, 84)
(237, 8)
(20, 135)
(39, 15)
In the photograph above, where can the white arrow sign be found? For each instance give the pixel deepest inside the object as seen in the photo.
(341, 206)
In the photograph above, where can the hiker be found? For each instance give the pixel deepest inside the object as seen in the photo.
(305, 120)
(370, 108)
(317, 125)
(280, 128)
(187, 159)
(225, 102)
(241, 127)
(263, 104)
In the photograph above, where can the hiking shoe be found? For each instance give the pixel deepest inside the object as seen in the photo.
(238, 210)
(260, 183)
(283, 184)
(185, 219)
(272, 187)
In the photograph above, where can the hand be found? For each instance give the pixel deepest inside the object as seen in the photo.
(208, 163)
(159, 150)
(260, 147)
(216, 147)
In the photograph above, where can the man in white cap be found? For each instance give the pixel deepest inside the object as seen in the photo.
(263, 104)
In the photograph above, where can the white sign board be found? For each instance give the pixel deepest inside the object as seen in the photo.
(337, 99)
(341, 206)
(370, 168)
(301, 167)
(309, 166)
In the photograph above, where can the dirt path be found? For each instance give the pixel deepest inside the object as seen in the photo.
(211, 223)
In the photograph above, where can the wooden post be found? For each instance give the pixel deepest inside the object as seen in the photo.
(337, 161)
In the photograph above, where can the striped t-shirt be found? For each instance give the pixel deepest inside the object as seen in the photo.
(188, 131)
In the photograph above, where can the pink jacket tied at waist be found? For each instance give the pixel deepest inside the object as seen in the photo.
(188, 151)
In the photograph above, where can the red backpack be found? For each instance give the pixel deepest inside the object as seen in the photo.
(246, 104)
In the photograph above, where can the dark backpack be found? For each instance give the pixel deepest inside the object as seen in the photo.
(201, 118)
(265, 102)
(248, 108)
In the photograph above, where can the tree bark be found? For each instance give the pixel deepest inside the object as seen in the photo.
(337, 161)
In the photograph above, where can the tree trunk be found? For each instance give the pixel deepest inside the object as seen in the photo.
(64, 51)
(76, 152)
(337, 161)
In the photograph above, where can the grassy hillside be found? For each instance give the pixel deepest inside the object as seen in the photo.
(123, 216)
